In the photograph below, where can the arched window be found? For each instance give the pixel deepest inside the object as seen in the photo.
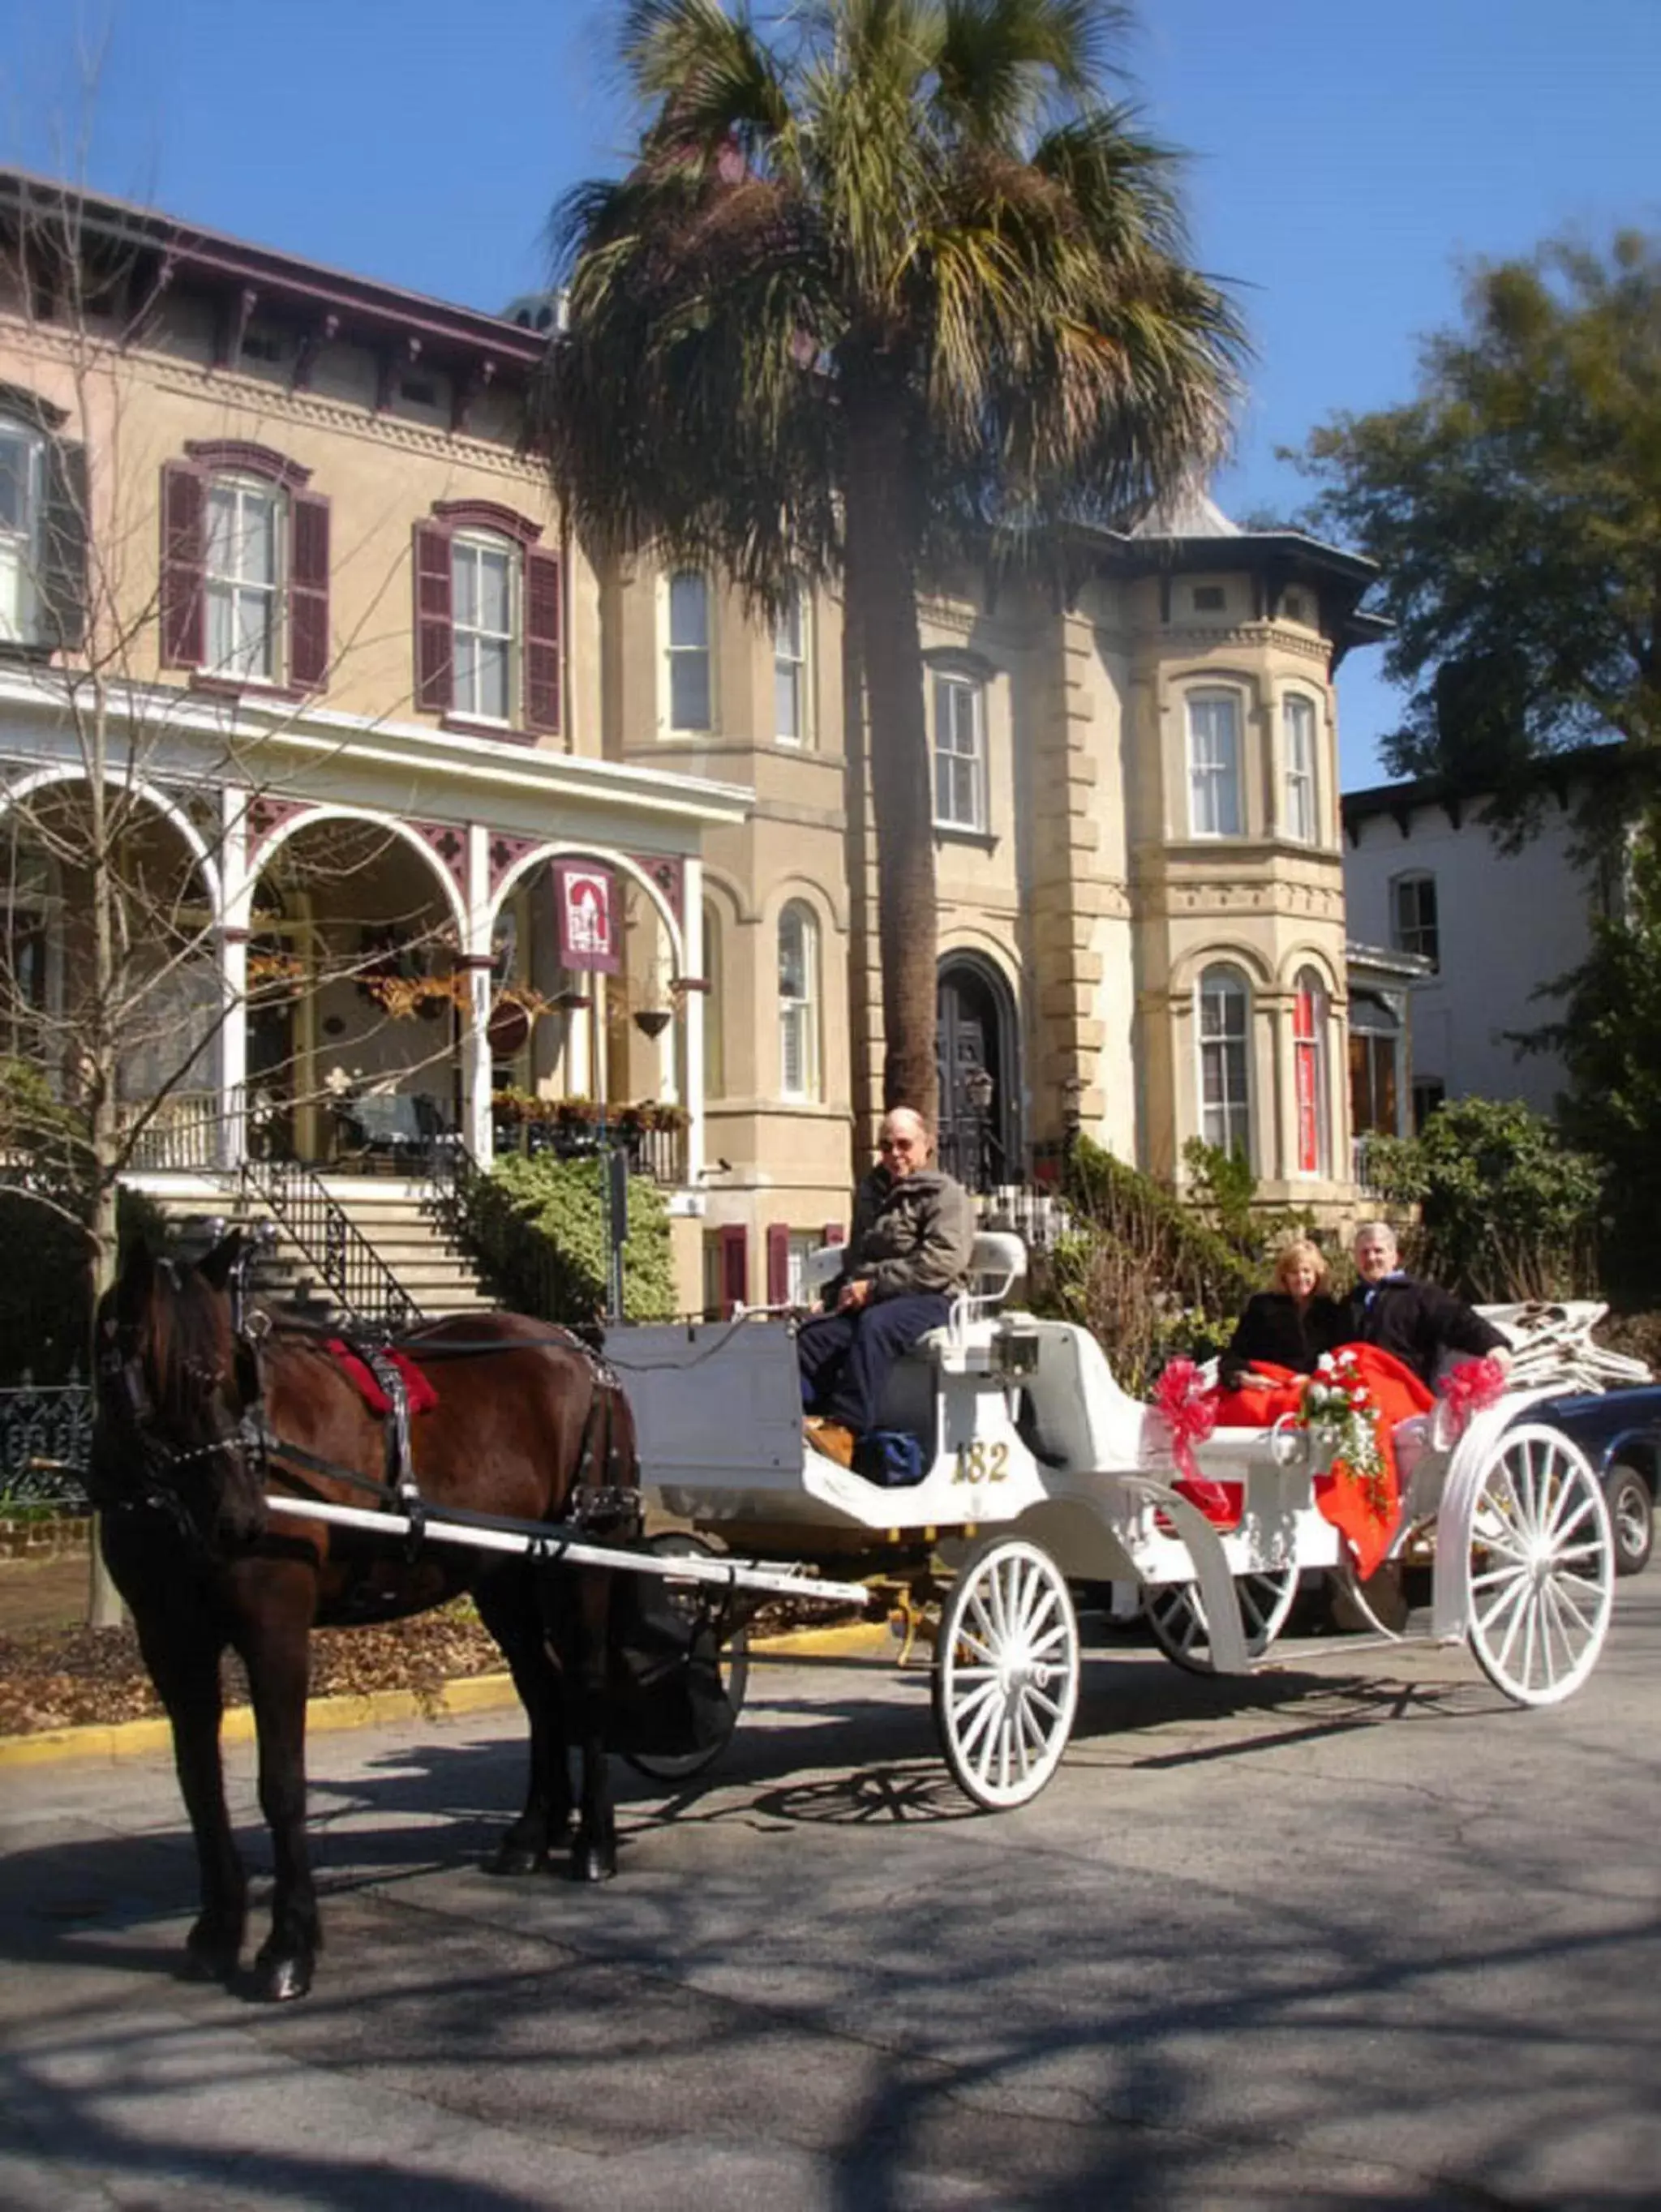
(1224, 1006)
(714, 1007)
(1213, 764)
(1310, 1085)
(1298, 728)
(799, 993)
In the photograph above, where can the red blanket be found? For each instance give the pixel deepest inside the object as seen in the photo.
(417, 1390)
(1364, 1514)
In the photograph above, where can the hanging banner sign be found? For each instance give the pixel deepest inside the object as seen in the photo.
(587, 901)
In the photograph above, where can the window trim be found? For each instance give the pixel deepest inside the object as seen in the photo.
(1314, 1052)
(1413, 878)
(801, 666)
(1292, 704)
(27, 626)
(1242, 990)
(1233, 699)
(667, 726)
(973, 684)
(474, 539)
(807, 1008)
(272, 494)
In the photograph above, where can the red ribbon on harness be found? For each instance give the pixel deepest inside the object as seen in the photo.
(417, 1390)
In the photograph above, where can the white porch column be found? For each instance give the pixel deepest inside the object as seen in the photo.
(236, 894)
(692, 1014)
(475, 1038)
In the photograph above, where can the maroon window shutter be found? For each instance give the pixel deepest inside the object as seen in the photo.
(778, 1263)
(184, 559)
(542, 632)
(834, 1233)
(308, 590)
(734, 1269)
(434, 651)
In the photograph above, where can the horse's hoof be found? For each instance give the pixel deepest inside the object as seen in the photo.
(515, 1860)
(593, 1863)
(277, 1981)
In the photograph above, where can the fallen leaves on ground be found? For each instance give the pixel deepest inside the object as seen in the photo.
(77, 1677)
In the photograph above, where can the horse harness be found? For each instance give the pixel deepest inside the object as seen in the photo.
(611, 1501)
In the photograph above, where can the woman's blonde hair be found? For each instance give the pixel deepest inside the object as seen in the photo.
(1297, 1254)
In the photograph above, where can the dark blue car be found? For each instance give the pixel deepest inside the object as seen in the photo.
(1620, 1432)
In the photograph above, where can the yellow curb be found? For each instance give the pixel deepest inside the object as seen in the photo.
(471, 1693)
(854, 1639)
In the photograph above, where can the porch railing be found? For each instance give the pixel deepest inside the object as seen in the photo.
(186, 1132)
(356, 1275)
(46, 1443)
(659, 1152)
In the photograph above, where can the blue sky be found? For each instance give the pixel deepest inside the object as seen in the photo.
(1345, 158)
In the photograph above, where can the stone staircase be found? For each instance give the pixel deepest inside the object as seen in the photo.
(390, 1214)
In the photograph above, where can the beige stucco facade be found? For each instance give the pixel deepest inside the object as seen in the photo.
(1084, 914)
(1141, 910)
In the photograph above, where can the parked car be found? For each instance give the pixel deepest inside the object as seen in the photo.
(1620, 1432)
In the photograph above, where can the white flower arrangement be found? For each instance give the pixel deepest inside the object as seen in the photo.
(1337, 1405)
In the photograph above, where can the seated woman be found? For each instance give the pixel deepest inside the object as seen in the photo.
(1286, 1329)
(1282, 1337)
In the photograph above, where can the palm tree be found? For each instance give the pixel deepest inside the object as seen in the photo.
(891, 282)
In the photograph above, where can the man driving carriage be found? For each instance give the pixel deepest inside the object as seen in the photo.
(913, 1233)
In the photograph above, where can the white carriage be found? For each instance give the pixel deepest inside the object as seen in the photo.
(1041, 1474)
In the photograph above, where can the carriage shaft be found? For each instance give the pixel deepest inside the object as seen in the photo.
(548, 1544)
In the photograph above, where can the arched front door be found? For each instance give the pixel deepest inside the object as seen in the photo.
(975, 1040)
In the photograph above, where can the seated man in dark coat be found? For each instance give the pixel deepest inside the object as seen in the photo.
(913, 1234)
(1414, 1320)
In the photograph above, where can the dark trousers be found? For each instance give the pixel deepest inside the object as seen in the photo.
(845, 1357)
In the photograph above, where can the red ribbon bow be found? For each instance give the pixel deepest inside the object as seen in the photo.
(1467, 1388)
(1188, 1409)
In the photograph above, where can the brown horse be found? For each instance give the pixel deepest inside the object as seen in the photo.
(197, 1419)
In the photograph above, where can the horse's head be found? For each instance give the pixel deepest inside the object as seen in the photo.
(175, 1384)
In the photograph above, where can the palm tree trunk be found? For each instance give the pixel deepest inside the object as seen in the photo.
(882, 598)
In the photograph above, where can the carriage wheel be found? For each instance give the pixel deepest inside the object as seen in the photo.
(680, 1766)
(1539, 1567)
(1006, 1673)
(1175, 1614)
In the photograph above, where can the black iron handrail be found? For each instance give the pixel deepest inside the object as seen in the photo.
(518, 1265)
(356, 1276)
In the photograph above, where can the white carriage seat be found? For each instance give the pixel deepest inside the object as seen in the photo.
(996, 1263)
(1082, 1418)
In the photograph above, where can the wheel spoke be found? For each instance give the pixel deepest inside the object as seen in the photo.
(1504, 1603)
(988, 1628)
(1561, 1530)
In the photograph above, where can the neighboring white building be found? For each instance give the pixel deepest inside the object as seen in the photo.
(1424, 875)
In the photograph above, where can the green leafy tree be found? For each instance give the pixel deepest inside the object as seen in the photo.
(1515, 509)
(1610, 1041)
(1507, 1211)
(885, 280)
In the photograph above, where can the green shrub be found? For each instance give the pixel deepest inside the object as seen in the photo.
(1508, 1211)
(537, 1229)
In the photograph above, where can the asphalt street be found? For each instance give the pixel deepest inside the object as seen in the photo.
(1356, 1933)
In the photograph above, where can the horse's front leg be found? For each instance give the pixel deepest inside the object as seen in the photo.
(277, 1656)
(181, 1650)
(594, 1852)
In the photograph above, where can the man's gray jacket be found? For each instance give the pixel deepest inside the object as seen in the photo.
(911, 1233)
